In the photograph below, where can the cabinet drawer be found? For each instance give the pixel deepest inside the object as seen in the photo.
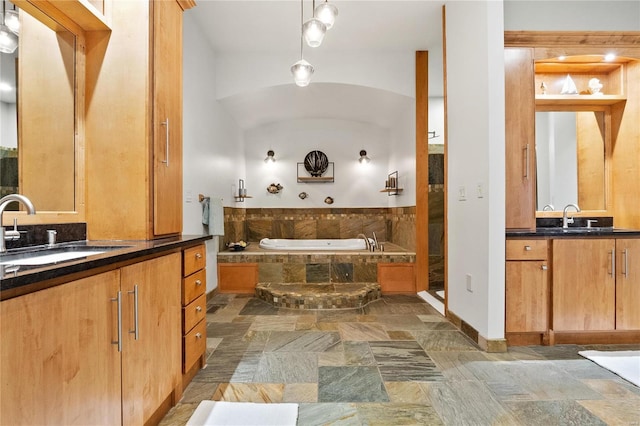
(193, 259)
(194, 286)
(194, 344)
(193, 313)
(527, 250)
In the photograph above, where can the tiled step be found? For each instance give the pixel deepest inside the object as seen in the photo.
(318, 296)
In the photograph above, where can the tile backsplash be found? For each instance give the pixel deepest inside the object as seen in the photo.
(395, 225)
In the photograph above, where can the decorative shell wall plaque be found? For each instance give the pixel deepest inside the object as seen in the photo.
(328, 200)
(274, 188)
(316, 163)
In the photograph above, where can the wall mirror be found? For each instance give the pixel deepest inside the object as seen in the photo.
(571, 162)
(39, 144)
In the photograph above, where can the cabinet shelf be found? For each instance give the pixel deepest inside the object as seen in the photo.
(392, 191)
(580, 100)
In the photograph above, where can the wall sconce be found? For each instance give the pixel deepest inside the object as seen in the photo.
(270, 157)
(363, 157)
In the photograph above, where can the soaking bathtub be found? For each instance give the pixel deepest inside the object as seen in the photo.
(326, 245)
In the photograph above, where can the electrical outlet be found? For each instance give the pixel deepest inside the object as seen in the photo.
(189, 196)
(469, 288)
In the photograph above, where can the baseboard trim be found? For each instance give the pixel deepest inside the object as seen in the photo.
(487, 345)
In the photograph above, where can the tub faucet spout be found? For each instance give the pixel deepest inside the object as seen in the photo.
(4, 202)
(366, 241)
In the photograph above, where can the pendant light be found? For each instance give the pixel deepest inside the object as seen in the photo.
(8, 40)
(327, 13)
(12, 20)
(314, 30)
(302, 69)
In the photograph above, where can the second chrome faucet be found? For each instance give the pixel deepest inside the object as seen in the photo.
(566, 220)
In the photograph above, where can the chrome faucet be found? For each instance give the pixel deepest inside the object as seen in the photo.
(366, 241)
(565, 219)
(4, 202)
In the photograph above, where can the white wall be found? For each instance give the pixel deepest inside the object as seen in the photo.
(213, 146)
(8, 125)
(585, 15)
(476, 157)
(402, 157)
(355, 185)
(242, 72)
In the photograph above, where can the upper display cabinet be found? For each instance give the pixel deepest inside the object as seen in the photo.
(580, 80)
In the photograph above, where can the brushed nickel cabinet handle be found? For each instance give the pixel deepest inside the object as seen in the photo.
(166, 135)
(118, 300)
(198, 336)
(135, 330)
(198, 256)
(612, 253)
(527, 248)
(544, 267)
(198, 309)
(625, 262)
(198, 283)
(526, 162)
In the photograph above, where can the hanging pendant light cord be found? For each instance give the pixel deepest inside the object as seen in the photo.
(301, 24)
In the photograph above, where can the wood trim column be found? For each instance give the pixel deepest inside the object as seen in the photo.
(422, 170)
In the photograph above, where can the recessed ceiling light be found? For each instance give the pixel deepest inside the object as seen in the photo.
(609, 57)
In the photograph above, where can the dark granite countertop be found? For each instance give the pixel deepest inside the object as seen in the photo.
(579, 232)
(17, 280)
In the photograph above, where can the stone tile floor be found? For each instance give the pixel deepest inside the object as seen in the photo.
(395, 362)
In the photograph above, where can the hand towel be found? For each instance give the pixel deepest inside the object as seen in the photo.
(205, 211)
(216, 217)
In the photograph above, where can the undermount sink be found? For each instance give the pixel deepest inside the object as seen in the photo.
(62, 253)
(45, 259)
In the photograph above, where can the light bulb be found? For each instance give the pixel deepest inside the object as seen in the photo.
(8, 40)
(327, 14)
(314, 31)
(302, 71)
(12, 21)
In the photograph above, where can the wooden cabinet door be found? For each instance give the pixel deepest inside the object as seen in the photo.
(520, 138)
(397, 278)
(628, 284)
(59, 365)
(151, 364)
(167, 117)
(583, 284)
(527, 296)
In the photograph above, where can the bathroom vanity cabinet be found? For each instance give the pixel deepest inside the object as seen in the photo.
(519, 139)
(572, 290)
(527, 286)
(99, 350)
(134, 122)
(596, 284)
(194, 311)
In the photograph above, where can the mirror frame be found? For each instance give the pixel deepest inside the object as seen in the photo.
(53, 18)
(608, 171)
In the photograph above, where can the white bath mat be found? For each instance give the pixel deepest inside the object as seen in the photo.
(223, 413)
(625, 364)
